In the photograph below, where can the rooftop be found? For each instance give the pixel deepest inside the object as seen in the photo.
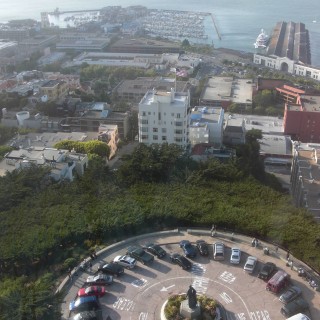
(175, 99)
(311, 103)
(309, 165)
(218, 88)
(203, 115)
(275, 145)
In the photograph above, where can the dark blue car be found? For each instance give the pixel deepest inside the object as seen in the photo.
(188, 249)
(90, 303)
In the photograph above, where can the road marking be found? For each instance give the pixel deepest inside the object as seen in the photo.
(198, 269)
(201, 284)
(180, 278)
(225, 297)
(143, 316)
(139, 283)
(124, 304)
(260, 315)
(227, 277)
(166, 288)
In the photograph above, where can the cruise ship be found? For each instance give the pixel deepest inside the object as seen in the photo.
(262, 40)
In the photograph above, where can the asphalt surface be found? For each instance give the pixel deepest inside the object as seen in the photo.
(140, 293)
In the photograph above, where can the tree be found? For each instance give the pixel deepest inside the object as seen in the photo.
(185, 43)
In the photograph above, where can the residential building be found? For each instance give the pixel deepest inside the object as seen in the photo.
(90, 116)
(37, 43)
(62, 163)
(224, 91)
(54, 90)
(302, 120)
(108, 133)
(305, 177)
(206, 126)
(14, 33)
(163, 117)
(234, 131)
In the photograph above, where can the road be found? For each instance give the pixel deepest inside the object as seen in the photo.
(140, 293)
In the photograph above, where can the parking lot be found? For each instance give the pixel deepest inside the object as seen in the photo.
(140, 293)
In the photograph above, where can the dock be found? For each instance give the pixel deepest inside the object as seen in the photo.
(290, 40)
(215, 26)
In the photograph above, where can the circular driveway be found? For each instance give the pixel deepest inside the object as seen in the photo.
(140, 293)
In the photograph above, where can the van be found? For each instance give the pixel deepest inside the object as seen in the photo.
(299, 316)
(218, 251)
(279, 281)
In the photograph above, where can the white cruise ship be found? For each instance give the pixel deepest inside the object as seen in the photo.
(262, 40)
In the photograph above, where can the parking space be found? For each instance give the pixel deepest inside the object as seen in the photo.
(141, 292)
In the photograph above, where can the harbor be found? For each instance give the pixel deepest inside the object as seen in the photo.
(169, 24)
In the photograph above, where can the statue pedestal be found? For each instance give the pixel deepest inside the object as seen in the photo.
(193, 314)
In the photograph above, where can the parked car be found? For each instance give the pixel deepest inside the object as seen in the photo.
(299, 316)
(139, 254)
(99, 279)
(291, 294)
(188, 249)
(267, 271)
(156, 250)
(111, 268)
(125, 261)
(88, 315)
(202, 247)
(235, 256)
(250, 264)
(97, 291)
(180, 260)
(89, 303)
(296, 306)
(218, 251)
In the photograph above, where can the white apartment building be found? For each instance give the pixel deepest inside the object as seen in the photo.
(163, 117)
(206, 126)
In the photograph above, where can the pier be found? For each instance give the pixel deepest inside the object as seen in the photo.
(215, 26)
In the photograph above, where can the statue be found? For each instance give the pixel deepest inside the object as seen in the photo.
(192, 297)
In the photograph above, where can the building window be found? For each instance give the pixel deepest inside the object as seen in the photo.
(144, 137)
(155, 137)
(149, 113)
(178, 115)
(144, 122)
(144, 129)
(164, 130)
(178, 131)
(164, 138)
(155, 130)
(159, 116)
(143, 113)
(178, 123)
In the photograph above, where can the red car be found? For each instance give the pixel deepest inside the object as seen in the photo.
(92, 291)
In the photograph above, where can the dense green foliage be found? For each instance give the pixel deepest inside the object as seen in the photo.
(96, 147)
(47, 226)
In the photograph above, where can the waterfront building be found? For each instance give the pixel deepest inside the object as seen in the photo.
(133, 90)
(287, 65)
(163, 117)
(141, 45)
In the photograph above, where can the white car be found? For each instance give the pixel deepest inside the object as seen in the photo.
(125, 261)
(235, 256)
(100, 279)
(250, 264)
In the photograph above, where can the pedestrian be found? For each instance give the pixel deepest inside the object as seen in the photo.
(291, 265)
(288, 255)
(69, 272)
(213, 230)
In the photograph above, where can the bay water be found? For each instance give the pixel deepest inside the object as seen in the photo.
(239, 21)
